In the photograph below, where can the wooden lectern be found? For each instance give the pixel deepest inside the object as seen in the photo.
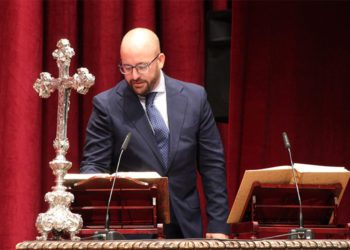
(138, 206)
(267, 205)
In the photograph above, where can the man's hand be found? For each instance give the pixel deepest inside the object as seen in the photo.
(216, 236)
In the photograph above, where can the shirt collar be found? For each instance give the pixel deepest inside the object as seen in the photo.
(161, 85)
(160, 88)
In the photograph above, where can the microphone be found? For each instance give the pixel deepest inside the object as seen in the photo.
(125, 145)
(107, 234)
(286, 141)
(301, 232)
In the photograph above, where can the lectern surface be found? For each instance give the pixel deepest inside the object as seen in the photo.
(138, 206)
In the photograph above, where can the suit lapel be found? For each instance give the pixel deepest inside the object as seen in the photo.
(135, 113)
(176, 105)
(176, 108)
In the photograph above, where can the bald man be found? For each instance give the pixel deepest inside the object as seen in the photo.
(183, 140)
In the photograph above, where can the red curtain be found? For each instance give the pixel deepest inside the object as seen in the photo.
(290, 64)
(289, 72)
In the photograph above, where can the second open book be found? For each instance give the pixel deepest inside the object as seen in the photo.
(305, 174)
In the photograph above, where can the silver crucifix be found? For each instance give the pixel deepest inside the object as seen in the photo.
(59, 219)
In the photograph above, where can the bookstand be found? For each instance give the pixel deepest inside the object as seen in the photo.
(273, 209)
(137, 206)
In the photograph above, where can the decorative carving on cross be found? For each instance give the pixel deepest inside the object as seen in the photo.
(59, 219)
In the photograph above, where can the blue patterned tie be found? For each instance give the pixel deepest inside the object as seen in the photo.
(161, 131)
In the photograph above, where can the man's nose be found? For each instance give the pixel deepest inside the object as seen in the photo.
(135, 74)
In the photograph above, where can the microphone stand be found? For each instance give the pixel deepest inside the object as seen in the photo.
(112, 235)
(301, 232)
(107, 234)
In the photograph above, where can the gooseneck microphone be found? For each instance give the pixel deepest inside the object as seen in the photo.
(287, 144)
(288, 147)
(301, 232)
(107, 234)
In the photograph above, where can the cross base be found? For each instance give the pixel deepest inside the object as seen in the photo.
(58, 219)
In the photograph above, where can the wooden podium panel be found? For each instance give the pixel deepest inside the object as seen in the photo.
(273, 209)
(278, 204)
(137, 207)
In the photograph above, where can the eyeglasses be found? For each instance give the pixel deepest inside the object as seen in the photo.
(141, 68)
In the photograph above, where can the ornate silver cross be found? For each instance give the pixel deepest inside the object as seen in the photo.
(59, 219)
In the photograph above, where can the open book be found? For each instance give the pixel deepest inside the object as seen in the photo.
(73, 178)
(305, 174)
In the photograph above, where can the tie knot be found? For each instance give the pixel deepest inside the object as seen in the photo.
(150, 98)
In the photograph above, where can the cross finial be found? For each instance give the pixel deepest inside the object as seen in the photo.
(46, 84)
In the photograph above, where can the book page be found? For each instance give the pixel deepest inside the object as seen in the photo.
(73, 178)
(273, 168)
(300, 167)
(322, 175)
(137, 175)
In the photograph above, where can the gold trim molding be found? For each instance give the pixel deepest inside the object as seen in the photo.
(185, 244)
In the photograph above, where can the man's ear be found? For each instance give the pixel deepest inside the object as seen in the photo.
(161, 60)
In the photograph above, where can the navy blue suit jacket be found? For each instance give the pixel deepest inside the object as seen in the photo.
(194, 145)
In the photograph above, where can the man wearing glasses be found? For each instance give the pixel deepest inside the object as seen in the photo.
(173, 133)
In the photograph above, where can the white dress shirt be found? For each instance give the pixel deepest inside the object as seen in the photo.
(160, 99)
